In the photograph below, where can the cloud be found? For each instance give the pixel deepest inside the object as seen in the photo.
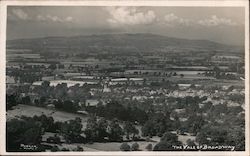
(19, 13)
(41, 18)
(129, 16)
(54, 18)
(69, 19)
(171, 19)
(216, 21)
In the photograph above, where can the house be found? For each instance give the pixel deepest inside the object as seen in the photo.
(82, 112)
(91, 102)
(51, 106)
(139, 98)
(48, 78)
(50, 137)
(116, 81)
(179, 111)
(10, 80)
(138, 81)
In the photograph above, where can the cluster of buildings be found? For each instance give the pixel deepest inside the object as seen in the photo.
(130, 78)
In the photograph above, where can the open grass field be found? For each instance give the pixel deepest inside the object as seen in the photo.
(31, 111)
(110, 146)
(115, 146)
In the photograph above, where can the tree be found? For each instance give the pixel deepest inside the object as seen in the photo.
(124, 147)
(25, 131)
(55, 139)
(54, 149)
(91, 129)
(149, 147)
(236, 137)
(58, 104)
(191, 144)
(158, 124)
(116, 132)
(46, 122)
(192, 86)
(195, 123)
(212, 134)
(61, 66)
(64, 149)
(61, 91)
(26, 100)
(70, 106)
(201, 138)
(45, 84)
(135, 147)
(114, 109)
(129, 128)
(136, 114)
(72, 130)
(148, 129)
(167, 142)
(163, 146)
(52, 66)
(11, 100)
(42, 101)
(79, 148)
(176, 124)
(102, 126)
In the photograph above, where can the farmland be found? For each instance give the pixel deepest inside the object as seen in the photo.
(129, 96)
(30, 111)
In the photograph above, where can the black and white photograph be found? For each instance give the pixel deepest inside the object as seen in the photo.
(125, 78)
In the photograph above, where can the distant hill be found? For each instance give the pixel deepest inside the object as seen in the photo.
(117, 43)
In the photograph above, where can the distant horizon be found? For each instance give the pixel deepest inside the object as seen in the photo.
(41, 37)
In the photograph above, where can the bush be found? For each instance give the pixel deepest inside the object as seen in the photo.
(191, 144)
(125, 147)
(167, 142)
(24, 131)
(149, 147)
(79, 148)
(54, 140)
(135, 147)
(65, 149)
(54, 149)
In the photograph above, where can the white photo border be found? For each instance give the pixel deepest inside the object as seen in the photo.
(179, 3)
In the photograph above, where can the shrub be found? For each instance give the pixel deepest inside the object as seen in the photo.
(65, 149)
(79, 148)
(149, 147)
(54, 149)
(125, 147)
(135, 147)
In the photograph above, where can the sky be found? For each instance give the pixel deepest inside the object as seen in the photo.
(219, 24)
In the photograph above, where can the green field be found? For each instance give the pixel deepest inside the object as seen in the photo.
(31, 111)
